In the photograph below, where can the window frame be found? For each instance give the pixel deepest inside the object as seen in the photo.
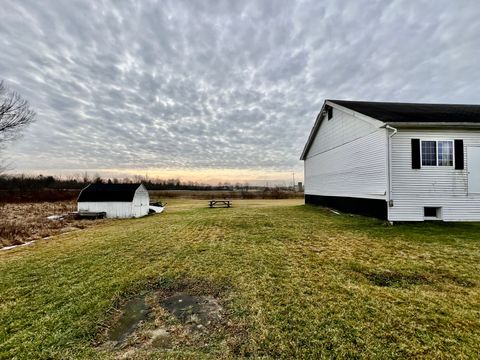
(436, 154)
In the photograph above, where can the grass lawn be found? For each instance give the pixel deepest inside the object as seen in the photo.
(294, 281)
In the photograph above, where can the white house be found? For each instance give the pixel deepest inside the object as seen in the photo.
(397, 161)
(117, 200)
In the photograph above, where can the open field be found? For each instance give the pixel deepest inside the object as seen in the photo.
(183, 204)
(271, 193)
(287, 280)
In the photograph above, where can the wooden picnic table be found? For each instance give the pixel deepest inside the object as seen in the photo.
(225, 203)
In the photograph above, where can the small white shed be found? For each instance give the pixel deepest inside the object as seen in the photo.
(116, 200)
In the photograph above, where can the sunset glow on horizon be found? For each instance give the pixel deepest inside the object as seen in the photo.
(252, 177)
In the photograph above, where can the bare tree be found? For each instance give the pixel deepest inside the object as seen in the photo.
(15, 114)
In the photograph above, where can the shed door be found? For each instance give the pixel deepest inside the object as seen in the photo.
(473, 163)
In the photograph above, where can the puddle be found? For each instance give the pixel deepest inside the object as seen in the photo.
(199, 311)
(134, 311)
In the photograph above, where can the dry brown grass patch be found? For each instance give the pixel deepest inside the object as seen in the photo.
(23, 222)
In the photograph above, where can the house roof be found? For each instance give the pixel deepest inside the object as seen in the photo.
(108, 192)
(405, 114)
(413, 113)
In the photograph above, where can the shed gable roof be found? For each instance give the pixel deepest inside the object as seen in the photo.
(108, 193)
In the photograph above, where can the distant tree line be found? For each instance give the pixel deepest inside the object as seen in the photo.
(28, 188)
(34, 183)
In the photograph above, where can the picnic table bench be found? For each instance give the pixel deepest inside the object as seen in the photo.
(91, 214)
(224, 203)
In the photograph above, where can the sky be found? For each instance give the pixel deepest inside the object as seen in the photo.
(214, 91)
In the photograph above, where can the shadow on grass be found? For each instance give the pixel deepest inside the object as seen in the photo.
(406, 278)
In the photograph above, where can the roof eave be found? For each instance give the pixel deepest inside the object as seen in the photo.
(318, 121)
(313, 132)
(81, 191)
(444, 124)
(369, 119)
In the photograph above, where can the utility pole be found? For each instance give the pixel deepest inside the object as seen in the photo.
(293, 174)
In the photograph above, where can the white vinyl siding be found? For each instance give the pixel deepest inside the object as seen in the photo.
(341, 129)
(113, 209)
(347, 158)
(431, 186)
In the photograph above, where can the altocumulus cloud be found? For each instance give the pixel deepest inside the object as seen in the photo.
(219, 84)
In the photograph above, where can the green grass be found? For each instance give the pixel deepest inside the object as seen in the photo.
(299, 282)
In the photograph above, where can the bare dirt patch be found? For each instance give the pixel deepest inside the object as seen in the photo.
(198, 311)
(132, 313)
(178, 318)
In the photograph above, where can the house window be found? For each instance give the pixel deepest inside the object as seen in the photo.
(429, 153)
(445, 153)
(437, 153)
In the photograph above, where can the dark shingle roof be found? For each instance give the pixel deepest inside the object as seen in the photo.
(411, 112)
(108, 192)
(407, 113)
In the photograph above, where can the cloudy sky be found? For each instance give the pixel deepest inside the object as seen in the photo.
(219, 90)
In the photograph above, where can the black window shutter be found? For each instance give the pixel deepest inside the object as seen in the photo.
(459, 155)
(415, 153)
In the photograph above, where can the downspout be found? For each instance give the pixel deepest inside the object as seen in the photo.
(389, 161)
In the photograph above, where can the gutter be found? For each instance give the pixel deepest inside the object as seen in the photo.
(391, 128)
(389, 163)
(434, 125)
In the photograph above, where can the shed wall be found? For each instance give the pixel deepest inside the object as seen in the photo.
(141, 202)
(113, 209)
